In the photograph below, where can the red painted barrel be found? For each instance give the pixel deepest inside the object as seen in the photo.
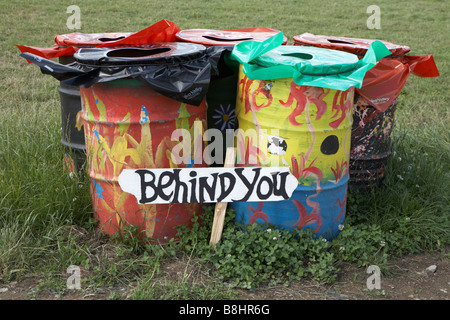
(65, 45)
(127, 125)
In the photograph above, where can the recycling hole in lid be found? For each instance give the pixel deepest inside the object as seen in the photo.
(106, 39)
(135, 53)
(226, 39)
(299, 55)
(340, 42)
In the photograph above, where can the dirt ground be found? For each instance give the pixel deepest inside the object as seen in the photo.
(407, 279)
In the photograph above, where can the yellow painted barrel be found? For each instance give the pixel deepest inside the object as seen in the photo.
(306, 128)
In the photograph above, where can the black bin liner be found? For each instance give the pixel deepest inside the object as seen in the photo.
(181, 71)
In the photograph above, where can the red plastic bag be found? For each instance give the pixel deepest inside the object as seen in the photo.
(382, 84)
(48, 53)
(68, 44)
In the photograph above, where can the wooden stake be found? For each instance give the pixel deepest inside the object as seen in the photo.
(221, 207)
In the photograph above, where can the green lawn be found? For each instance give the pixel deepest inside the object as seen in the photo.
(38, 201)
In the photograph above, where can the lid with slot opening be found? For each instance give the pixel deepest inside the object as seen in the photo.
(310, 60)
(309, 66)
(352, 45)
(181, 71)
(68, 44)
(154, 53)
(86, 40)
(210, 37)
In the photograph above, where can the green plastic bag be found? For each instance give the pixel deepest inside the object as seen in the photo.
(308, 66)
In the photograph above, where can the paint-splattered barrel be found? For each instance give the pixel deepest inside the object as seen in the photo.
(371, 144)
(307, 128)
(128, 125)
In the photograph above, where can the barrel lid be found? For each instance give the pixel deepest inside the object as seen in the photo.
(309, 60)
(78, 39)
(211, 37)
(353, 45)
(154, 53)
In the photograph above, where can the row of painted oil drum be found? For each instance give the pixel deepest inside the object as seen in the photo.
(309, 128)
(373, 114)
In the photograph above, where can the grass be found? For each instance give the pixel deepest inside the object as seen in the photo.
(39, 202)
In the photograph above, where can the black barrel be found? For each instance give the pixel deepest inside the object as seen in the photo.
(71, 124)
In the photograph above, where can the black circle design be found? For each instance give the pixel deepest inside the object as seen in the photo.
(330, 145)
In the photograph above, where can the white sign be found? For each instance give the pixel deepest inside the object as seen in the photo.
(208, 185)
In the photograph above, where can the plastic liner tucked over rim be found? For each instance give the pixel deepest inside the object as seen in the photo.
(308, 66)
(68, 44)
(178, 70)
